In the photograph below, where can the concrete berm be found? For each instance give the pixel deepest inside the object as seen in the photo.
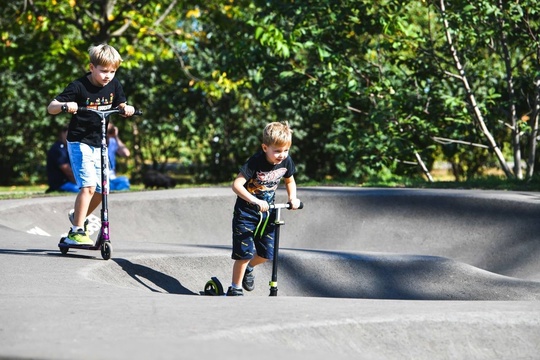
(363, 274)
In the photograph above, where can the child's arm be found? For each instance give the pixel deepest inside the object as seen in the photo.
(290, 185)
(122, 151)
(122, 148)
(55, 107)
(68, 172)
(240, 190)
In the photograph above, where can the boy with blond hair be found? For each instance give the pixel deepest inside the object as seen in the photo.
(100, 90)
(253, 224)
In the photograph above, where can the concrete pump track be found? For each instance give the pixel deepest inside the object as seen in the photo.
(363, 273)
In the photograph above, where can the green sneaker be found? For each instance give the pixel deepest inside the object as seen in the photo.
(78, 238)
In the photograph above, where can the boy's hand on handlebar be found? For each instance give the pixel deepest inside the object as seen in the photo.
(295, 203)
(128, 111)
(263, 205)
(70, 107)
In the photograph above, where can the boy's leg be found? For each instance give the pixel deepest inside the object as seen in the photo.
(77, 235)
(248, 280)
(94, 203)
(245, 222)
(85, 162)
(82, 205)
(257, 260)
(86, 165)
(239, 268)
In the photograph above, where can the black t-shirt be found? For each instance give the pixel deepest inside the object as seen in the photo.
(263, 178)
(85, 126)
(56, 156)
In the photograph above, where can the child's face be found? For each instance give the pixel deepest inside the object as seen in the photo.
(101, 75)
(275, 154)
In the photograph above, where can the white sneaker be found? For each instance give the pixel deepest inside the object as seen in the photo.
(71, 217)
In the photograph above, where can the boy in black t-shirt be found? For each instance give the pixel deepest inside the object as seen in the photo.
(98, 89)
(253, 224)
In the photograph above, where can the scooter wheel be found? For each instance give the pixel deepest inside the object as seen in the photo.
(63, 249)
(106, 250)
(213, 287)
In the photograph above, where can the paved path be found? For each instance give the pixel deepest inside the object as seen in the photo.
(364, 274)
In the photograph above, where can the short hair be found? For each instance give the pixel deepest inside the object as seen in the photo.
(277, 134)
(105, 55)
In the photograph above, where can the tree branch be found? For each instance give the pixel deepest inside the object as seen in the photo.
(446, 141)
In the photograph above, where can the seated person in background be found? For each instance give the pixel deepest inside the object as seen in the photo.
(59, 174)
(116, 147)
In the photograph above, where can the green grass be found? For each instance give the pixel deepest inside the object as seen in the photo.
(487, 183)
(483, 183)
(19, 192)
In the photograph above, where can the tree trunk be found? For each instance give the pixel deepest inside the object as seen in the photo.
(472, 100)
(516, 137)
(534, 130)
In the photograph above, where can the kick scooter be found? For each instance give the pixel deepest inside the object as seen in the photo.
(103, 242)
(214, 287)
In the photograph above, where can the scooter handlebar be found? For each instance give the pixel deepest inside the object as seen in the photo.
(110, 111)
(287, 206)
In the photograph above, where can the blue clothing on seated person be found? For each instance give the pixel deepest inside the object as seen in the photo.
(116, 183)
(119, 183)
(57, 158)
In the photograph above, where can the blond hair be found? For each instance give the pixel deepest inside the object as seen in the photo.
(105, 55)
(277, 134)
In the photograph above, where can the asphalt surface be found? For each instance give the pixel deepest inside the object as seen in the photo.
(363, 273)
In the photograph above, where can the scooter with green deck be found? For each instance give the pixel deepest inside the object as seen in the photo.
(214, 287)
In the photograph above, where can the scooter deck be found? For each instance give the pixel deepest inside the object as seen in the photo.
(83, 247)
(104, 246)
(95, 246)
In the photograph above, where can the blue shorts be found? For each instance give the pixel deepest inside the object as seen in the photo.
(253, 232)
(86, 164)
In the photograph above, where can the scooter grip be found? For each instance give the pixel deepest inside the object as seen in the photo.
(80, 108)
(137, 112)
(299, 207)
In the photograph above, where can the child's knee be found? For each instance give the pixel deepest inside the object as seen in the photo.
(89, 190)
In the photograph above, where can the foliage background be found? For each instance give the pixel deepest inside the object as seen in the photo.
(371, 89)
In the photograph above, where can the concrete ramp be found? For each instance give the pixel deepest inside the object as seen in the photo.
(363, 273)
(323, 274)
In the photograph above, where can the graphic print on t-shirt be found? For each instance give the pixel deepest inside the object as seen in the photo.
(265, 181)
(100, 103)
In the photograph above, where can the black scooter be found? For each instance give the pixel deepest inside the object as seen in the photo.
(214, 287)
